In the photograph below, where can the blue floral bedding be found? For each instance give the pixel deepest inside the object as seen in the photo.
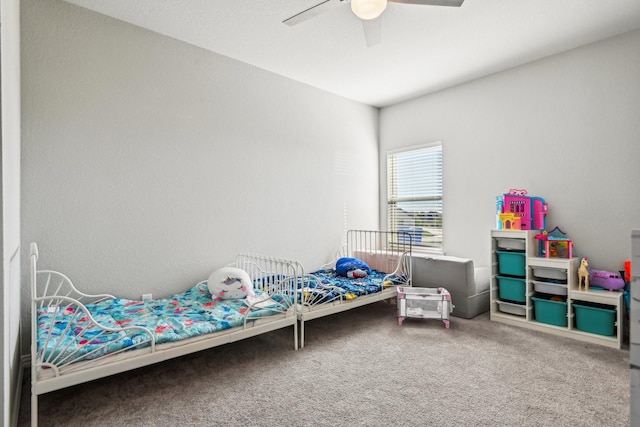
(348, 288)
(67, 333)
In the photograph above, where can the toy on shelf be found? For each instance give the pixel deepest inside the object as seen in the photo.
(627, 271)
(517, 211)
(583, 274)
(606, 279)
(599, 278)
(626, 292)
(510, 221)
(554, 244)
(499, 205)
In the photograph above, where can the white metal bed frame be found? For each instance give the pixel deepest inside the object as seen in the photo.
(385, 251)
(55, 291)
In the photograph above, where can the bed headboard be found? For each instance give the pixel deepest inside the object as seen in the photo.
(386, 251)
(270, 274)
(46, 285)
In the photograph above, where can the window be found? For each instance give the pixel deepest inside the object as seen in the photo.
(414, 194)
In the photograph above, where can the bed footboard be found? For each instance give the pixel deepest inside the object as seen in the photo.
(69, 335)
(68, 331)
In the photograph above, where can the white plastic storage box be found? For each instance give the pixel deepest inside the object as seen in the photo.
(549, 288)
(547, 273)
(512, 308)
(511, 244)
(424, 303)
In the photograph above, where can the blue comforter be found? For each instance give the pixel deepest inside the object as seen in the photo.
(67, 333)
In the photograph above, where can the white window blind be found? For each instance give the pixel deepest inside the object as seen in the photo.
(414, 194)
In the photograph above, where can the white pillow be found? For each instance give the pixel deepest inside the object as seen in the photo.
(230, 283)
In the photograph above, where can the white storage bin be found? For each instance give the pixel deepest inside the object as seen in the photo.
(549, 288)
(511, 308)
(511, 244)
(550, 273)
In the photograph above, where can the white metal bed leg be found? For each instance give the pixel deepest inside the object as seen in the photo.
(302, 334)
(295, 336)
(34, 410)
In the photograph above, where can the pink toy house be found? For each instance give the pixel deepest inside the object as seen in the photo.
(531, 210)
(554, 244)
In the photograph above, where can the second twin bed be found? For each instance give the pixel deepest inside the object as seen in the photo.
(368, 268)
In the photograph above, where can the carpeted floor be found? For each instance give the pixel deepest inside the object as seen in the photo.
(360, 368)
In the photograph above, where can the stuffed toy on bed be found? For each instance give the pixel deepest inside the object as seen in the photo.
(230, 283)
(352, 268)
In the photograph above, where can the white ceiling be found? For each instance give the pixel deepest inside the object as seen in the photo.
(423, 48)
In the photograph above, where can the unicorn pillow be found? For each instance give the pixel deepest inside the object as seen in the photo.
(230, 283)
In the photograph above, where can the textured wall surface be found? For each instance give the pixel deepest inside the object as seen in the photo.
(148, 163)
(565, 128)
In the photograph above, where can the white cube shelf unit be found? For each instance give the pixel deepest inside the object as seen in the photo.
(520, 281)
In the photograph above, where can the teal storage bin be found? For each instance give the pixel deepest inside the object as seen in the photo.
(550, 312)
(511, 263)
(595, 319)
(512, 289)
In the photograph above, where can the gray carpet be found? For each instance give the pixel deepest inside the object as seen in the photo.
(360, 368)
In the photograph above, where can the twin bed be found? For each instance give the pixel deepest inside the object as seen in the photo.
(387, 253)
(78, 337)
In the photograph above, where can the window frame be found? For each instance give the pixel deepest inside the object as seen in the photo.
(425, 241)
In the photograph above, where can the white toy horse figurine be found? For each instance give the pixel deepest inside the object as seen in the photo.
(583, 273)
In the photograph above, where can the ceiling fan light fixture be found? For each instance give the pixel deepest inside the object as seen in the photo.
(368, 9)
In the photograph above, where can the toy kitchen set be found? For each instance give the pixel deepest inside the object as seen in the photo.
(537, 283)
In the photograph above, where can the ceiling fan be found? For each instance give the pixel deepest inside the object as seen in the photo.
(367, 10)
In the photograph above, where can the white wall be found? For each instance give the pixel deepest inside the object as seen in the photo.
(565, 128)
(10, 211)
(148, 163)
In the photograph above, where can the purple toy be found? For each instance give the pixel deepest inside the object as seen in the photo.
(606, 280)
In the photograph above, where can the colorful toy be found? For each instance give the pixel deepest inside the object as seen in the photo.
(627, 271)
(353, 268)
(606, 280)
(230, 283)
(531, 210)
(583, 274)
(554, 244)
(357, 273)
(626, 293)
(510, 221)
(499, 208)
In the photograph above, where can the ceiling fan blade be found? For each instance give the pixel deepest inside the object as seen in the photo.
(313, 11)
(452, 3)
(372, 31)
